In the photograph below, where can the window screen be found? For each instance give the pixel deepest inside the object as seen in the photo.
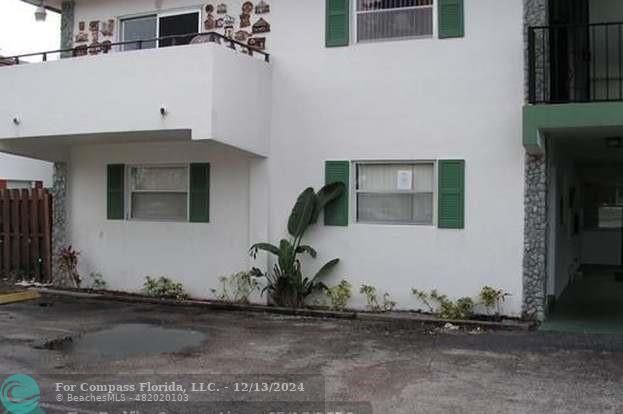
(176, 25)
(159, 193)
(390, 19)
(139, 28)
(395, 193)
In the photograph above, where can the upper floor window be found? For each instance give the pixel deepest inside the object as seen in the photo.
(169, 27)
(391, 19)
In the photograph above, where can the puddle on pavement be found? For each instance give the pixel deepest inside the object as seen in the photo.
(127, 340)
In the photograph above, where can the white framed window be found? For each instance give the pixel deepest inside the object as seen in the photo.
(393, 19)
(158, 192)
(395, 192)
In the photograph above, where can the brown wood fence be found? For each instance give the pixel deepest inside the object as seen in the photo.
(26, 233)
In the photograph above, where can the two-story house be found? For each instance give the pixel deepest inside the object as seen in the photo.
(179, 150)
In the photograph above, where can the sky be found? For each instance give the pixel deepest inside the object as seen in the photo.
(20, 33)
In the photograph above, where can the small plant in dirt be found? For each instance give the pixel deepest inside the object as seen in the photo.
(164, 288)
(68, 264)
(97, 281)
(388, 303)
(286, 284)
(372, 300)
(446, 308)
(493, 299)
(339, 295)
(370, 294)
(237, 287)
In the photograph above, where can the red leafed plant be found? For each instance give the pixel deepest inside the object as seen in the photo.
(68, 263)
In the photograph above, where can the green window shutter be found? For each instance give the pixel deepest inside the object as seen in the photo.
(115, 183)
(336, 212)
(451, 19)
(451, 194)
(337, 24)
(199, 193)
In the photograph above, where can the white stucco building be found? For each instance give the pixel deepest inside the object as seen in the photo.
(179, 158)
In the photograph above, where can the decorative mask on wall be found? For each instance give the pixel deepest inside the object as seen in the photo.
(242, 36)
(247, 7)
(262, 7)
(261, 26)
(209, 23)
(257, 43)
(243, 27)
(245, 20)
(94, 26)
(108, 28)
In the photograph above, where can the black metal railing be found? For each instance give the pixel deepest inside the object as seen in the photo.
(575, 63)
(108, 47)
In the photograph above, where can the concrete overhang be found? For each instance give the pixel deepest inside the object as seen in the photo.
(211, 91)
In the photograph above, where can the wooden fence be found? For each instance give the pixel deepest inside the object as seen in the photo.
(26, 233)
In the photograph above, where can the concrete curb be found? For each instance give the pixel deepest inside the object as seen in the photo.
(394, 317)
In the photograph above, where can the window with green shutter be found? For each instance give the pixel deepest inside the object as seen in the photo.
(337, 23)
(451, 196)
(199, 193)
(115, 182)
(336, 212)
(451, 19)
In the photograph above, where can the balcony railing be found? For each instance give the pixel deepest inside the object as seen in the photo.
(110, 47)
(575, 63)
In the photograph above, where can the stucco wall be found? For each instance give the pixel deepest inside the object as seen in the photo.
(418, 99)
(124, 252)
(422, 99)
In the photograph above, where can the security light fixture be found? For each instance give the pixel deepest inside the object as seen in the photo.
(40, 13)
(16, 120)
(614, 142)
(164, 111)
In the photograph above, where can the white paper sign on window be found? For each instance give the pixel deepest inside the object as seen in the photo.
(404, 180)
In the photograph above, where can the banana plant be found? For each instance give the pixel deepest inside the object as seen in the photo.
(286, 284)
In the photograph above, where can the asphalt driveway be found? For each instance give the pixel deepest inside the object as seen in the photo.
(395, 369)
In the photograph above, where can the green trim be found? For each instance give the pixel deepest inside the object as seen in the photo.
(537, 119)
(337, 23)
(336, 212)
(451, 16)
(451, 194)
(199, 193)
(115, 192)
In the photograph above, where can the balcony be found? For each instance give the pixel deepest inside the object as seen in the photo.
(212, 89)
(576, 63)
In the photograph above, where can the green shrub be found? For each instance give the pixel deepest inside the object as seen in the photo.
(237, 287)
(164, 288)
(97, 281)
(339, 295)
(372, 300)
(493, 299)
(463, 308)
(287, 284)
(370, 293)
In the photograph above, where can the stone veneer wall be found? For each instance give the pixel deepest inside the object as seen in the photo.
(59, 219)
(535, 196)
(67, 26)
